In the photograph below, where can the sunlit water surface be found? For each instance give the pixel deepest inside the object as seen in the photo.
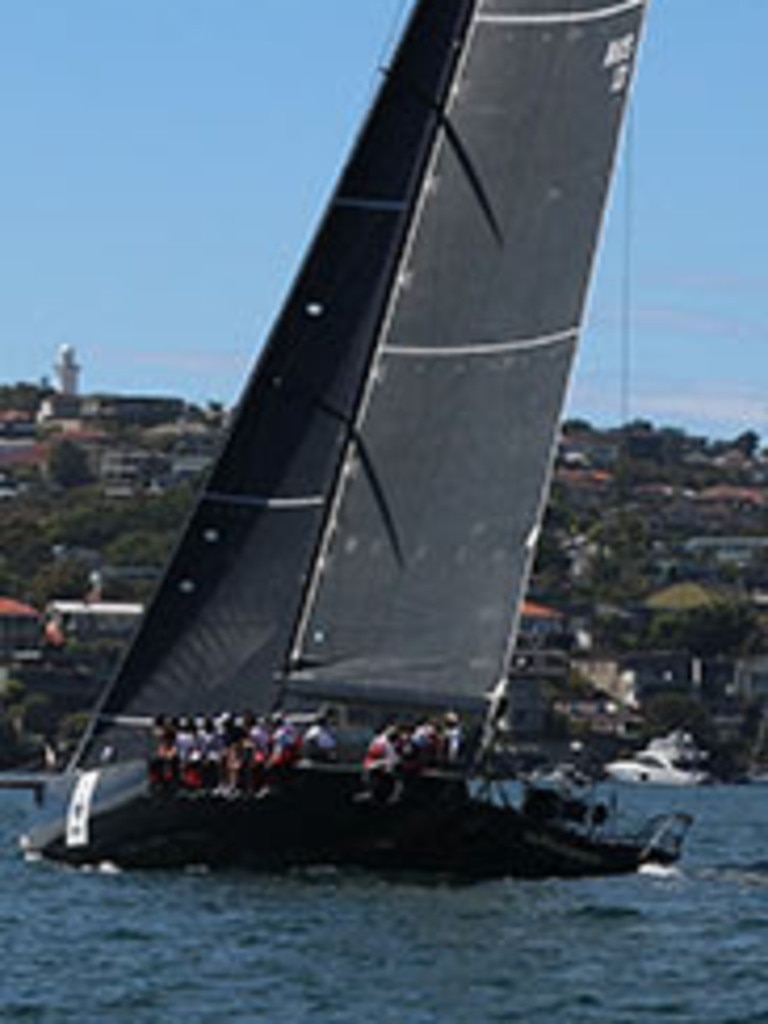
(689, 945)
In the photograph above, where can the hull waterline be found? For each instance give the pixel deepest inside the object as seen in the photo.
(318, 817)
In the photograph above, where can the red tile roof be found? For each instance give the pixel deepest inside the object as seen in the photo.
(539, 611)
(728, 493)
(15, 416)
(15, 608)
(27, 455)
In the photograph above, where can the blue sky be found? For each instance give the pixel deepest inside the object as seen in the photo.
(165, 162)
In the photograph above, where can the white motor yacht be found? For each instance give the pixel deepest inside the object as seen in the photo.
(673, 760)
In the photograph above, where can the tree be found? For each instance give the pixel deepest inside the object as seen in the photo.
(577, 426)
(747, 443)
(23, 397)
(70, 731)
(140, 547)
(669, 711)
(621, 571)
(58, 580)
(68, 465)
(722, 627)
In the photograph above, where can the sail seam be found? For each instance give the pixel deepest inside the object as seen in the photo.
(258, 501)
(561, 17)
(488, 348)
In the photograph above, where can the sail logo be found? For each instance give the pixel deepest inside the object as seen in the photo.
(618, 60)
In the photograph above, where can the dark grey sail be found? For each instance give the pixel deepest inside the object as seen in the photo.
(427, 552)
(368, 529)
(217, 633)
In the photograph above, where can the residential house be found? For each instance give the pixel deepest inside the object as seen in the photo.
(541, 626)
(91, 620)
(20, 629)
(16, 425)
(133, 410)
(128, 470)
(60, 409)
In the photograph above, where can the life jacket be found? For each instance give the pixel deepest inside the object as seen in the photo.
(286, 746)
(380, 755)
(192, 775)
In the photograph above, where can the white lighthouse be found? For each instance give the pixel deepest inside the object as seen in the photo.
(67, 371)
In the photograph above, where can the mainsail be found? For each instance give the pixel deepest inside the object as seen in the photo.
(368, 529)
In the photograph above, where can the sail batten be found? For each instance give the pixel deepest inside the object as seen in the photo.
(260, 501)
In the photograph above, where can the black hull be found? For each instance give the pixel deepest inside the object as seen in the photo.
(430, 825)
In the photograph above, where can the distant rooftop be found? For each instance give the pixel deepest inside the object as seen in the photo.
(12, 608)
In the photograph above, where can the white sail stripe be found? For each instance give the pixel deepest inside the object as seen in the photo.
(256, 501)
(488, 349)
(561, 17)
(383, 205)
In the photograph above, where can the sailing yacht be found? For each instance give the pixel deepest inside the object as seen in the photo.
(372, 517)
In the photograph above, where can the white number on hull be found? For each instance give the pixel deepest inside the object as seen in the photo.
(79, 810)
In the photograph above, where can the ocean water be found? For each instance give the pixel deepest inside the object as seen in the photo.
(684, 945)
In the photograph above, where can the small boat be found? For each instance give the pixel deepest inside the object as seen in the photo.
(365, 538)
(673, 760)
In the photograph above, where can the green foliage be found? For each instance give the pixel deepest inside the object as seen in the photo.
(11, 691)
(58, 580)
(32, 714)
(552, 561)
(68, 465)
(618, 631)
(622, 571)
(101, 522)
(668, 711)
(140, 547)
(729, 628)
(138, 531)
(11, 752)
(22, 397)
(577, 426)
(71, 729)
(24, 549)
(747, 443)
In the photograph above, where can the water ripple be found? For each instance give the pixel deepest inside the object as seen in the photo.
(331, 947)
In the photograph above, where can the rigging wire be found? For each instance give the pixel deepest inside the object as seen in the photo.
(625, 329)
(627, 274)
